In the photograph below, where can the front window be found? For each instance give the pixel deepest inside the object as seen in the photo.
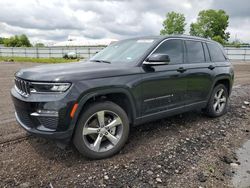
(173, 48)
(127, 51)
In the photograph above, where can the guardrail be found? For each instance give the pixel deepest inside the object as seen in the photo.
(239, 54)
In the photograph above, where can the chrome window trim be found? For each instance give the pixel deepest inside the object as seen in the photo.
(175, 38)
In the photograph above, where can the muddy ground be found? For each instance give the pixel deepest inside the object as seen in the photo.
(188, 150)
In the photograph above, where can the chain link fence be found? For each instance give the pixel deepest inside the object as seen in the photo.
(49, 52)
(238, 54)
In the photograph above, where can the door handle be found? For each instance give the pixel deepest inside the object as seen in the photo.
(211, 67)
(181, 69)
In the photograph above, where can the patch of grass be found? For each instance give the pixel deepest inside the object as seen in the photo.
(36, 60)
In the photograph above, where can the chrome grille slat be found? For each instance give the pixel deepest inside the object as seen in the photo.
(26, 87)
(17, 84)
(22, 87)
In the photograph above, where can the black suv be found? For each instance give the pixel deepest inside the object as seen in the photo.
(128, 83)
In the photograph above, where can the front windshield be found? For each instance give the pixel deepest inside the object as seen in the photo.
(127, 51)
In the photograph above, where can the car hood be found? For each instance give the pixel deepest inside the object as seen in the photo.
(73, 71)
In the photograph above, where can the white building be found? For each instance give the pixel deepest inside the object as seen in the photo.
(76, 41)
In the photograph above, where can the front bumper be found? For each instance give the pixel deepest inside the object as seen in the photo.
(63, 135)
(53, 126)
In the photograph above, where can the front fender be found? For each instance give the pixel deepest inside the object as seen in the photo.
(101, 91)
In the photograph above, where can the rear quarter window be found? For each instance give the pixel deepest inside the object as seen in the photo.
(216, 53)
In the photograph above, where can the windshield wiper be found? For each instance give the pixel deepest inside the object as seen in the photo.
(100, 61)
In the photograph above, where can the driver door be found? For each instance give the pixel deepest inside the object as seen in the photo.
(164, 86)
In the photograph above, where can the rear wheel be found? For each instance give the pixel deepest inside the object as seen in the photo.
(102, 130)
(218, 102)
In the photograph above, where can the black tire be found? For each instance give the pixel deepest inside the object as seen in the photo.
(80, 141)
(210, 109)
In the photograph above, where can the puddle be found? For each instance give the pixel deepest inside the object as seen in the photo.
(241, 178)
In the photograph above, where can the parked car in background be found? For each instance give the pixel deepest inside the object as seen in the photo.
(70, 55)
(130, 82)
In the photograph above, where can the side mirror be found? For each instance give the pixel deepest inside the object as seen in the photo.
(157, 59)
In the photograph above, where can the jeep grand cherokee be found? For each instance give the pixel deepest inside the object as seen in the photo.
(130, 82)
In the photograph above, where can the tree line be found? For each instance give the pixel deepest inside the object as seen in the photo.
(210, 24)
(18, 41)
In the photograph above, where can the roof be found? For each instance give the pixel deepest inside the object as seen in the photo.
(162, 37)
(185, 36)
(189, 37)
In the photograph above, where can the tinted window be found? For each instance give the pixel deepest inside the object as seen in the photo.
(195, 52)
(206, 52)
(126, 51)
(215, 52)
(173, 48)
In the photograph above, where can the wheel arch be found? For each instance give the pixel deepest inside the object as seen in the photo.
(111, 94)
(225, 80)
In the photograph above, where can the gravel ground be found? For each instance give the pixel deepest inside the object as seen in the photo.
(188, 150)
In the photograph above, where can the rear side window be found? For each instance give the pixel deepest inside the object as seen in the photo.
(174, 48)
(195, 52)
(215, 52)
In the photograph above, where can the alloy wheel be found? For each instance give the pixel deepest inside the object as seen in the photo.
(102, 131)
(219, 101)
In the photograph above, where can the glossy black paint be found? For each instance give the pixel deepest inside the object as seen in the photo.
(153, 92)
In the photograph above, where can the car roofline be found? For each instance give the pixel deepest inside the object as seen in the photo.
(163, 37)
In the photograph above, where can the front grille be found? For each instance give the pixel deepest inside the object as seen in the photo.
(22, 87)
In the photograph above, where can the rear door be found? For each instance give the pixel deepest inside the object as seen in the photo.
(200, 72)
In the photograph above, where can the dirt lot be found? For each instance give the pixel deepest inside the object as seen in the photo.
(188, 150)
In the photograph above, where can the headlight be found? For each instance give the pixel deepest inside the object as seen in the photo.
(49, 87)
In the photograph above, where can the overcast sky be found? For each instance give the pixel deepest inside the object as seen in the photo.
(55, 20)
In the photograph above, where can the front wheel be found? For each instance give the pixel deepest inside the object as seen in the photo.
(217, 104)
(102, 130)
